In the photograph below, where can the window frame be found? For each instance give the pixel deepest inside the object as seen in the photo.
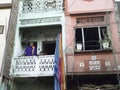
(83, 39)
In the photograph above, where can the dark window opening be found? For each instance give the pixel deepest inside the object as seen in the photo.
(49, 47)
(78, 38)
(91, 82)
(35, 44)
(1, 29)
(78, 35)
(89, 38)
(103, 32)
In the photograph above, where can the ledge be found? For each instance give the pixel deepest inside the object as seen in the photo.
(88, 51)
(5, 5)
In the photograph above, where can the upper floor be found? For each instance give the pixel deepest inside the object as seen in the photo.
(5, 10)
(88, 25)
(44, 40)
(40, 8)
(39, 21)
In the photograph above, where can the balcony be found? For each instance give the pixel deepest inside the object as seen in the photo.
(32, 66)
(44, 11)
(40, 8)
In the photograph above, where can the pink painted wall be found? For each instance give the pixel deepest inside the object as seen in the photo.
(114, 32)
(74, 64)
(74, 8)
(83, 6)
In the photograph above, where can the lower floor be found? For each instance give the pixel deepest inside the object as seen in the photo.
(73, 82)
(36, 83)
(5, 83)
(93, 82)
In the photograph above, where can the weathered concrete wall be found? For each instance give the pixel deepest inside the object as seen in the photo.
(117, 13)
(37, 83)
(10, 37)
(4, 20)
(5, 9)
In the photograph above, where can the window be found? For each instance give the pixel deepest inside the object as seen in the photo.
(49, 47)
(1, 29)
(88, 38)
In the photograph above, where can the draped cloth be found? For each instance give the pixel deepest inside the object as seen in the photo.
(59, 67)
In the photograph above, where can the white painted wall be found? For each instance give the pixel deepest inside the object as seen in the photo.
(5, 1)
(4, 19)
(117, 0)
(17, 44)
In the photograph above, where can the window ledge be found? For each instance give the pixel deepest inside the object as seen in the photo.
(5, 5)
(100, 50)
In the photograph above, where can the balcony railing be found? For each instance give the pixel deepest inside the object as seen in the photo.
(32, 66)
(44, 11)
(41, 6)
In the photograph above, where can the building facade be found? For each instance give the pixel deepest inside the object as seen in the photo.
(5, 9)
(90, 23)
(85, 26)
(37, 21)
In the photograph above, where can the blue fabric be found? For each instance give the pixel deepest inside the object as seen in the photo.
(56, 66)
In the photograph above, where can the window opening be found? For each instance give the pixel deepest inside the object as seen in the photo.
(103, 32)
(49, 47)
(89, 37)
(1, 29)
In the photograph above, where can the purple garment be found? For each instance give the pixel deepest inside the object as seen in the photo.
(28, 51)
